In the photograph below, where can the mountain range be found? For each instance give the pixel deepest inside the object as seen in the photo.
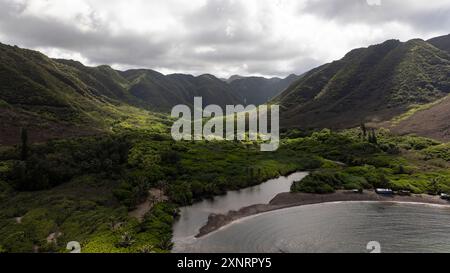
(400, 85)
(403, 86)
(58, 98)
(259, 90)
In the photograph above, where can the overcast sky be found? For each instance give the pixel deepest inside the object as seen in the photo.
(221, 37)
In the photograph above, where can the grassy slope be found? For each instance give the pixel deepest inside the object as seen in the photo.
(369, 84)
(430, 120)
(64, 98)
(55, 98)
(52, 99)
(442, 42)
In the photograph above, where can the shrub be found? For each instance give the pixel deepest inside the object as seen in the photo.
(180, 193)
(441, 152)
(170, 157)
(133, 189)
(325, 182)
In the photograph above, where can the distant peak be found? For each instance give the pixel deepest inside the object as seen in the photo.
(234, 78)
(208, 76)
(440, 37)
(441, 42)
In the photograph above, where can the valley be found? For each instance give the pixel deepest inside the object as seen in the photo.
(81, 147)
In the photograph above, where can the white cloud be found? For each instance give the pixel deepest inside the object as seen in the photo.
(222, 37)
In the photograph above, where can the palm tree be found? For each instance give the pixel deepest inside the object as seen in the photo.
(165, 243)
(364, 130)
(147, 249)
(126, 240)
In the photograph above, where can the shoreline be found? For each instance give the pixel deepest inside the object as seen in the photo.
(289, 200)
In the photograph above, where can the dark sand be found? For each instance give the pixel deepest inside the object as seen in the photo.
(287, 200)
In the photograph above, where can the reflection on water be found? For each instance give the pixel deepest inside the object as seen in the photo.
(334, 227)
(194, 217)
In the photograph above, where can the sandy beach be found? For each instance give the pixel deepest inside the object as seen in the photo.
(287, 200)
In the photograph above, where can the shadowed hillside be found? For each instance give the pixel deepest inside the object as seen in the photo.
(56, 98)
(442, 42)
(258, 90)
(372, 84)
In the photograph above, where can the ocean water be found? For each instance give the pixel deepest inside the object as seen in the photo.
(333, 228)
(193, 217)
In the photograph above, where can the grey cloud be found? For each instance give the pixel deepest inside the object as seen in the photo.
(299, 65)
(359, 11)
(207, 27)
(209, 24)
(98, 45)
(249, 47)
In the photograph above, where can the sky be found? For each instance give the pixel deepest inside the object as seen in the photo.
(220, 37)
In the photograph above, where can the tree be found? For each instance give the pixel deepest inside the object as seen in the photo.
(373, 137)
(24, 146)
(435, 185)
(165, 243)
(364, 130)
(126, 240)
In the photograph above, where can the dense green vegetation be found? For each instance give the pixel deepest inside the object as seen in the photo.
(409, 163)
(112, 151)
(83, 189)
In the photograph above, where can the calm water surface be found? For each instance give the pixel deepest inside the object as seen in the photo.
(334, 227)
(193, 217)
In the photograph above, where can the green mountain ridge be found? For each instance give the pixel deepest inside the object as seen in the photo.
(56, 98)
(441, 42)
(60, 98)
(120, 192)
(373, 84)
(259, 90)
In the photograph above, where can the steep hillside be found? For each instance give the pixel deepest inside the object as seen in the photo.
(368, 85)
(258, 90)
(429, 120)
(41, 95)
(57, 98)
(442, 42)
(162, 92)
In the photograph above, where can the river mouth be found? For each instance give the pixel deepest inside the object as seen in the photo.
(192, 218)
(333, 227)
(344, 227)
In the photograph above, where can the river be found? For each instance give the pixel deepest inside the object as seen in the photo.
(333, 227)
(192, 218)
